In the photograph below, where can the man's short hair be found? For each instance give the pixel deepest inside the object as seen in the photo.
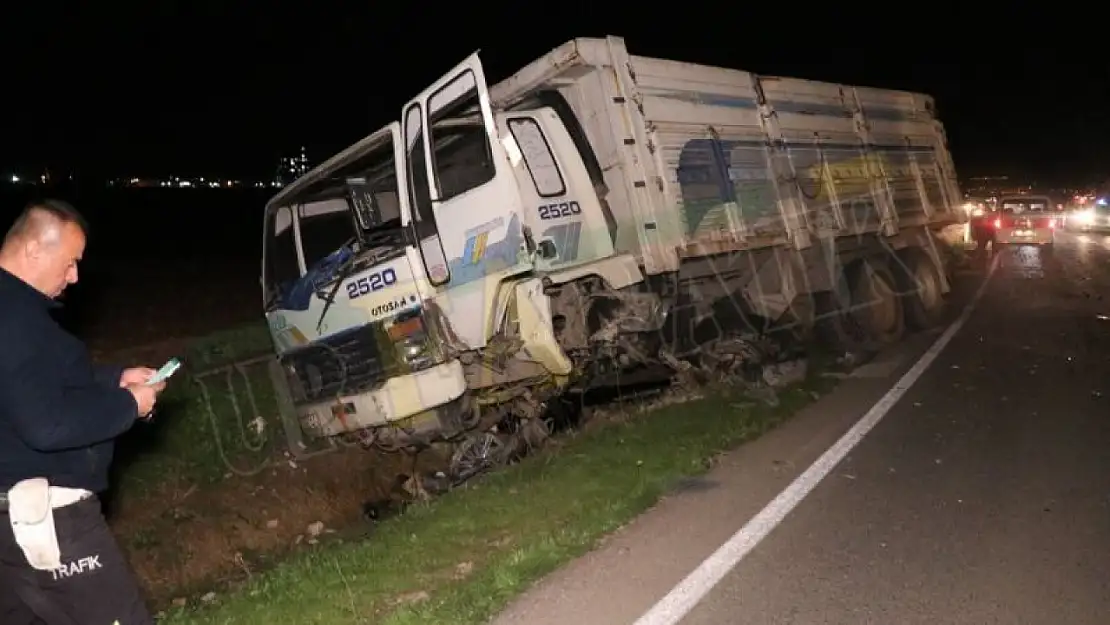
(60, 210)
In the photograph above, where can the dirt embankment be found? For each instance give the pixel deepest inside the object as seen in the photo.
(183, 537)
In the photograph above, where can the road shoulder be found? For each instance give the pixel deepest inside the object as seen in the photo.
(633, 568)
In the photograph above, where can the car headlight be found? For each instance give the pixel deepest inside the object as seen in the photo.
(1086, 217)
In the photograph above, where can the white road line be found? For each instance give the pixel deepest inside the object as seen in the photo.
(677, 603)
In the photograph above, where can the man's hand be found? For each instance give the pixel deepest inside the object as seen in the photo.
(145, 396)
(135, 376)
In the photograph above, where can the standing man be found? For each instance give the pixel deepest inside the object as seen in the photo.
(59, 414)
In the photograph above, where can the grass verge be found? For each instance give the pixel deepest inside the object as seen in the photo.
(196, 439)
(460, 558)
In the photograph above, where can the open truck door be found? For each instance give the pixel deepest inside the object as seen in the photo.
(465, 202)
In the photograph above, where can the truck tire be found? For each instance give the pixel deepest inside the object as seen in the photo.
(834, 323)
(919, 284)
(875, 301)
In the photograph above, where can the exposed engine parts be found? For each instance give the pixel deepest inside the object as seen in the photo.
(615, 339)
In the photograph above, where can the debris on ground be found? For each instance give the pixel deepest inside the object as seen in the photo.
(412, 597)
(849, 360)
(463, 569)
(783, 374)
(764, 394)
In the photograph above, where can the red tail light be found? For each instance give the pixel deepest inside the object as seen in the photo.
(1052, 224)
(997, 223)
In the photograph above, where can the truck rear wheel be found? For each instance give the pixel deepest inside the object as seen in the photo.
(864, 312)
(835, 325)
(920, 286)
(875, 301)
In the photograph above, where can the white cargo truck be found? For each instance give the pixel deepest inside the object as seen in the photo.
(594, 215)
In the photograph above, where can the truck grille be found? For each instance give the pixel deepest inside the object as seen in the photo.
(344, 363)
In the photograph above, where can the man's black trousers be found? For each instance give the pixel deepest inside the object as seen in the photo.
(95, 585)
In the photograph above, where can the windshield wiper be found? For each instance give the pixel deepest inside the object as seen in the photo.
(339, 274)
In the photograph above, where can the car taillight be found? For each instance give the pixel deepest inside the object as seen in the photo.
(1052, 224)
(997, 223)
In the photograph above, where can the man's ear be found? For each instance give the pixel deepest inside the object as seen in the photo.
(32, 249)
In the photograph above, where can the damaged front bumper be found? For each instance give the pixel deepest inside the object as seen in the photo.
(396, 399)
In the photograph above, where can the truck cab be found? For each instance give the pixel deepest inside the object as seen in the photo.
(408, 280)
(346, 295)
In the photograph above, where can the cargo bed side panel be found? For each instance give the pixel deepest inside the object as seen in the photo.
(708, 126)
(712, 151)
(724, 173)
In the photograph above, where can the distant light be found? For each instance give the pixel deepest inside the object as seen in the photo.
(1101, 201)
(15, 178)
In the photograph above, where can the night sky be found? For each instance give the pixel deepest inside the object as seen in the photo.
(160, 87)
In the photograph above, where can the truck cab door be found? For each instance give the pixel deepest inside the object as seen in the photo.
(465, 203)
(561, 205)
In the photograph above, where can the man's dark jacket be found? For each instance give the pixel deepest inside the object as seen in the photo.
(59, 413)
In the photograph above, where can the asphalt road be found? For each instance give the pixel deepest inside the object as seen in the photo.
(982, 497)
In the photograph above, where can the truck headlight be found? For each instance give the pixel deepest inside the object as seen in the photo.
(411, 341)
(415, 353)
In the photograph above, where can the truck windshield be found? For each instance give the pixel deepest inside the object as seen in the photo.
(323, 213)
(325, 227)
